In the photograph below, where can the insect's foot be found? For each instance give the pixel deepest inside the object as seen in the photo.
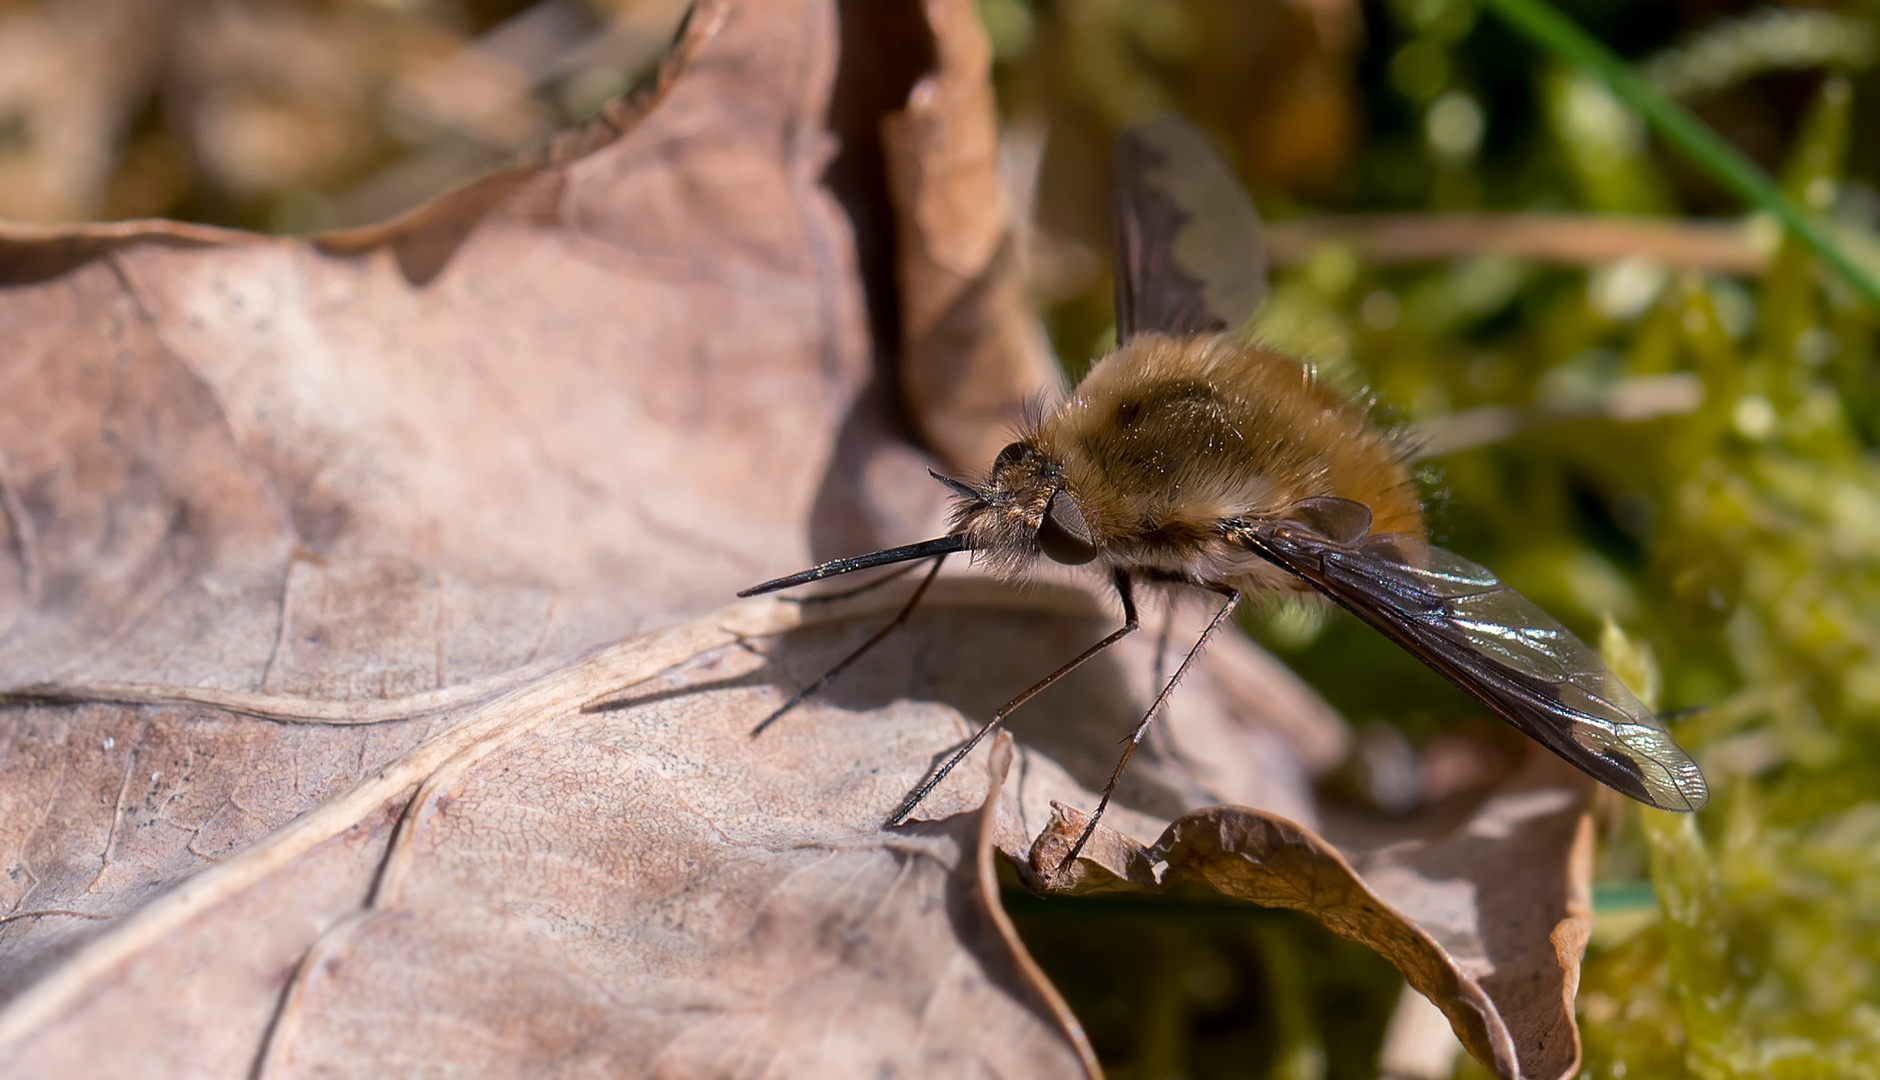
(1060, 874)
(899, 817)
(775, 716)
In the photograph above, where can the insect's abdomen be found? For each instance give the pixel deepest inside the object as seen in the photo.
(1167, 437)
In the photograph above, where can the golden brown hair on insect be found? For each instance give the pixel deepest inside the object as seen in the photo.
(1188, 457)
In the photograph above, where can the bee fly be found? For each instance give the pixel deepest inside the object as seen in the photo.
(1187, 457)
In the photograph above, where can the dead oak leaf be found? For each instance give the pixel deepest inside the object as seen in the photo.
(318, 548)
(582, 894)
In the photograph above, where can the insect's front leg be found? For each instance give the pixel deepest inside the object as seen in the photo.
(880, 635)
(1125, 591)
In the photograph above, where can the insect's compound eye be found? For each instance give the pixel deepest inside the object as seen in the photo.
(1009, 456)
(1064, 536)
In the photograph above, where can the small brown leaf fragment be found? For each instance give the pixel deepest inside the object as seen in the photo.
(973, 354)
(1020, 973)
(1109, 861)
(1275, 863)
(1508, 895)
(1487, 920)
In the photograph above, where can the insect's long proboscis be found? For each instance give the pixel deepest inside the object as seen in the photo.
(926, 549)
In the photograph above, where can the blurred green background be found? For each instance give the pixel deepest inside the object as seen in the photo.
(1656, 418)
(1658, 423)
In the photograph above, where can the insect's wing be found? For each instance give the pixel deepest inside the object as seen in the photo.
(1493, 642)
(1189, 257)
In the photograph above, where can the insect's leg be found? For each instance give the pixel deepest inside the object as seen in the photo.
(907, 609)
(1221, 616)
(1130, 623)
(828, 598)
(1162, 743)
(1161, 641)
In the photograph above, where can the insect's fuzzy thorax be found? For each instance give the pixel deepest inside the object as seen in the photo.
(1166, 438)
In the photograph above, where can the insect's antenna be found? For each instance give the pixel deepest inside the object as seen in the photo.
(1679, 714)
(1130, 623)
(1135, 738)
(959, 487)
(926, 549)
(878, 637)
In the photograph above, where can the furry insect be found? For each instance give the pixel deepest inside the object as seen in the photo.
(1187, 458)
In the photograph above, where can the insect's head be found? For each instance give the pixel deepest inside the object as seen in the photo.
(1022, 511)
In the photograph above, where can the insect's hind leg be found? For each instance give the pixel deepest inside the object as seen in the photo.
(1159, 737)
(878, 637)
(1125, 591)
(1142, 727)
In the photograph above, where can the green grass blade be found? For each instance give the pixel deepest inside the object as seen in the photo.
(1542, 24)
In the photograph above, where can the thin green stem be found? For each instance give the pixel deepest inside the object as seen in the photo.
(1546, 27)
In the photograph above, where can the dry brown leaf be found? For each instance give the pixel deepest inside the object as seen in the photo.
(1488, 921)
(973, 358)
(317, 756)
(584, 895)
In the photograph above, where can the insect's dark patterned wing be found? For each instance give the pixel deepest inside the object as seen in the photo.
(1458, 618)
(1189, 258)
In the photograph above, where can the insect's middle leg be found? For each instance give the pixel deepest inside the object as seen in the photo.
(879, 636)
(1125, 591)
(1142, 727)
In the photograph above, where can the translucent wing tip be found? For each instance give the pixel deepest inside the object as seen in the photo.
(1690, 784)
